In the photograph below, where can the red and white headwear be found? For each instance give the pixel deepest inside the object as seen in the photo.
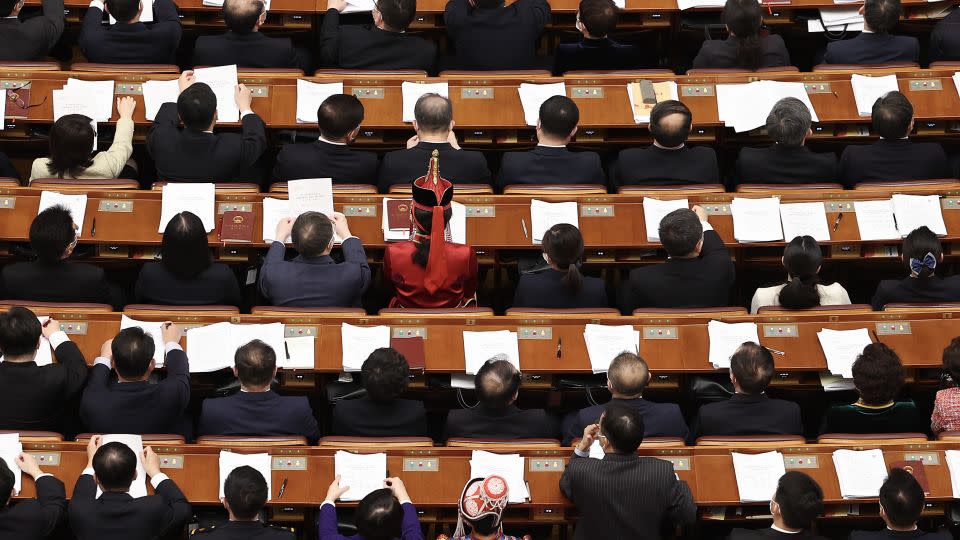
(482, 497)
(433, 194)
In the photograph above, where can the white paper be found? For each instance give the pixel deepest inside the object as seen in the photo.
(274, 210)
(836, 17)
(915, 211)
(95, 97)
(76, 204)
(44, 355)
(606, 342)
(261, 462)
(3, 114)
(758, 475)
(359, 341)
(842, 347)
(463, 381)
(596, 451)
(96, 141)
(458, 223)
(412, 91)
(10, 449)
(953, 464)
(875, 220)
(271, 334)
(814, 26)
(156, 93)
(804, 219)
(359, 6)
(223, 81)
(198, 199)
(135, 442)
(212, 347)
(867, 90)
(310, 96)
(690, 4)
(145, 17)
(508, 466)
(152, 328)
(480, 347)
(310, 195)
(860, 473)
(532, 97)
(644, 119)
(956, 82)
(835, 383)
(302, 353)
(746, 106)
(756, 220)
(653, 212)
(726, 338)
(544, 215)
(363, 473)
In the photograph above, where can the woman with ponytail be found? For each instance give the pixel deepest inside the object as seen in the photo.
(801, 258)
(561, 285)
(744, 48)
(922, 253)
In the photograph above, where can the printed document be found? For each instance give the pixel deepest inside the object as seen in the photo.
(532, 97)
(309, 97)
(96, 98)
(509, 466)
(198, 199)
(842, 347)
(867, 90)
(211, 347)
(804, 219)
(860, 473)
(146, 16)
(480, 347)
(261, 462)
(76, 204)
(412, 91)
(363, 473)
(875, 220)
(915, 211)
(745, 106)
(653, 212)
(544, 215)
(155, 331)
(274, 210)
(156, 93)
(953, 463)
(756, 220)
(726, 338)
(302, 353)
(223, 81)
(135, 442)
(758, 475)
(663, 90)
(359, 341)
(10, 449)
(605, 342)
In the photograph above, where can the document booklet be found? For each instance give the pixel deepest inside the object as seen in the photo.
(644, 95)
(875, 220)
(532, 97)
(544, 215)
(509, 466)
(412, 91)
(756, 220)
(915, 211)
(76, 204)
(135, 442)
(363, 473)
(726, 338)
(302, 350)
(758, 475)
(860, 473)
(261, 462)
(867, 90)
(309, 97)
(605, 342)
(481, 347)
(198, 199)
(841, 348)
(359, 341)
(156, 93)
(223, 81)
(10, 449)
(211, 347)
(804, 219)
(653, 212)
(151, 328)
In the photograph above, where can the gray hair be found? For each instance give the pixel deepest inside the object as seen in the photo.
(788, 122)
(433, 113)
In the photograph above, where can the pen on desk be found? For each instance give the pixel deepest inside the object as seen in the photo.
(835, 94)
(286, 349)
(836, 223)
(774, 351)
(523, 223)
(559, 347)
(93, 228)
(874, 336)
(283, 487)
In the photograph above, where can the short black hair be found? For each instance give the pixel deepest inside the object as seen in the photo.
(19, 332)
(124, 10)
(255, 363)
(7, 483)
(951, 360)
(752, 365)
(497, 383)
(891, 115)
(379, 515)
(245, 490)
(241, 15)
(599, 17)
(51, 233)
(629, 374)
(680, 231)
(311, 233)
(622, 425)
(901, 497)
(800, 499)
(878, 374)
(197, 105)
(670, 134)
(184, 251)
(559, 116)
(397, 14)
(882, 16)
(385, 374)
(115, 465)
(6, 7)
(338, 115)
(788, 122)
(433, 113)
(917, 244)
(132, 352)
(71, 145)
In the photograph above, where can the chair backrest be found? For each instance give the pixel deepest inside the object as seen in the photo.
(220, 187)
(94, 67)
(846, 309)
(690, 313)
(507, 444)
(6, 182)
(740, 71)
(953, 436)
(871, 438)
(69, 184)
(555, 189)
(655, 190)
(496, 74)
(573, 313)
(44, 308)
(35, 436)
(662, 442)
(375, 442)
(901, 185)
(338, 189)
(751, 441)
(150, 438)
(638, 73)
(235, 441)
(459, 189)
(284, 311)
(348, 73)
(945, 64)
(855, 68)
(466, 312)
(916, 306)
(153, 310)
(10, 65)
(750, 188)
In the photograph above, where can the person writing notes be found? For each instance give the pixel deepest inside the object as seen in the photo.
(901, 503)
(244, 496)
(130, 41)
(30, 519)
(383, 45)
(385, 513)
(561, 285)
(922, 253)
(244, 44)
(801, 258)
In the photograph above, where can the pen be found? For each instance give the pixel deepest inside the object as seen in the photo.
(559, 349)
(836, 223)
(523, 223)
(93, 227)
(774, 351)
(286, 348)
(283, 487)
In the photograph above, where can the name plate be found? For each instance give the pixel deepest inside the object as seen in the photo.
(225, 207)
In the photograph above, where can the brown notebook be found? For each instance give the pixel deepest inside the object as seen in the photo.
(236, 226)
(914, 467)
(412, 349)
(398, 214)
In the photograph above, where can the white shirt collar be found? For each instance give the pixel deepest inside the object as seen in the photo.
(321, 139)
(552, 145)
(913, 529)
(784, 531)
(658, 145)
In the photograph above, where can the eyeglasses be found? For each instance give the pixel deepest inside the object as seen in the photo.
(15, 98)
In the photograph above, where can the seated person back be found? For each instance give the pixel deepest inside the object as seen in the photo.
(244, 44)
(946, 406)
(130, 41)
(29, 40)
(945, 39)
(52, 277)
(433, 122)
(802, 259)
(382, 514)
(381, 412)
(480, 509)
(901, 503)
(313, 279)
(627, 378)
(382, 45)
(551, 162)
(796, 505)
(497, 416)
(256, 409)
(875, 45)
(339, 118)
(7, 170)
(894, 156)
(744, 48)
(186, 274)
(195, 153)
(697, 273)
(486, 34)
(245, 494)
(131, 403)
(36, 518)
(922, 253)
(595, 20)
(787, 160)
(561, 285)
(669, 160)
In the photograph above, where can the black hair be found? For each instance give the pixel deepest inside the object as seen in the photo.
(599, 17)
(497, 383)
(878, 374)
(245, 490)
(801, 258)
(882, 15)
(19, 332)
(752, 365)
(241, 15)
(7, 483)
(424, 219)
(51, 233)
(197, 105)
(673, 135)
(385, 374)
(559, 116)
(901, 497)
(629, 374)
(563, 243)
(6, 7)
(800, 499)
(433, 113)
(680, 231)
(891, 115)
(338, 115)
(255, 363)
(622, 425)
(132, 352)
(184, 251)
(115, 465)
(71, 145)
(379, 515)
(311, 234)
(917, 244)
(397, 14)
(124, 10)
(951, 360)
(743, 18)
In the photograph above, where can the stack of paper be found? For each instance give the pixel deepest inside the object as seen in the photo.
(875, 220)
(841, 348)
(956, 82)
(223, 81)
(302, 350)
(156, 93)
(10, 449)
(146, 16)
(860, 473)
(261, 462)
(756, 220)
(307, 195)
(544, 215)
(605, 342)
(835, 383)
(211, 347)
(915, 211)
(413, 91)
(867, 90)
(726, 338)
(44, 356)
(509, 466)
(152, 328)
(804, 219)
(359, 6)
(481, 347)
(195, 198)
(357, 342)
(309, 97)
(653, 212)
(134, 442)
(953, 463)
(745, 106)
(532, 97)
(758, 475)
(76, 204)
(837, 20)
(273, 211)
(363, 473)
(664, 91)
(93, 99)
(683, 5)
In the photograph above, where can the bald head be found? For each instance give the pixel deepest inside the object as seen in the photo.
(628, 375)
(670, 123)
(433, 115)
(243, 16)
(497, 384)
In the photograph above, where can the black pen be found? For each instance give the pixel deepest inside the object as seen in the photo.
(874, 335)
(286, 348)
(559, 347)
(283, 487)
(836, 223)
(93, 228)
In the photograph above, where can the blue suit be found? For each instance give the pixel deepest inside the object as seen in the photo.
(315, 281)
(259, 413)
(870, 48)
(593, 54)
(659, 419)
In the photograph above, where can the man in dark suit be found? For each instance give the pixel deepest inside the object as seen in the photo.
(749, 411)
(698, 271)
(623, 495)
(627, 378)
(244, 44)
(256, 409)
(382, 45)
(433, 122)
(901, 503)
(496, 416)
(669, 160)
(131, 403)
(31, 39)
(486, 34)
(30, 519)
(313, 279)
(894, 156)
(796, 504)
(130, 41)
(339, 118)
(787, 160)
(52, 277)
(595, 20)
(381, 413)
(195, 153)
(945, 38)
(875, 45)
(550, 162)
(32, 397)
(7, 170)
(116, 515)
(244, 495)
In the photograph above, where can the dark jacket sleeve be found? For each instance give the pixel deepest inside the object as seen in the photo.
(231, 289)
(539, 11)
(273, 260)
(50, 25)
(682, 511)
(178, 509)
(311, 430)
(330, 38)
(353, 253)
(164, 124)
(70, 357)
(254, 139)
(717, 255)
(880, 297)
(91, 31)
(7, 169)
(178, 378)
(455, 15)
(167, 21)
(934, 46)
(85, 488)
(53, 502)
(566, 481)
(410, 526)
(327, 523)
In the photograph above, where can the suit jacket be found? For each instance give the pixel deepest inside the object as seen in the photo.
(893, 160)
(898, 417)
(369, 47)
(656, 165)
(509, 423)
(778, 164)
(745, 414)
(717, 53)
(35, 519)
(872, 48)
(31, 39)
(503, 37)
(769, 532)
(137, 43)
(457, 166)
(184, 155)
(933, 289)
(259, 413)
(703, 281)
(64, 281)
(217, 285)
(32, 397)
(118, 516)
(364, 417)
(545, 289)
(327, 524)
(252, 50)
(887, 534)
(109, 406)
(316, 281)
(593, 54)
(549, 165)
(945, 39)
(244, 530)
(659, 419)
(324, 160)
(626, 496)
(407, 277)
(7, 170)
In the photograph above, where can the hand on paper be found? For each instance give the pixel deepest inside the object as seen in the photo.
(170, 332)
(340, 227)
(283, 228)
(244, 97)
(700, 212)
(50, 327)
(125, 107)
(186, 79)
(28, 464)
(151, 462)
(338, 5)
(590, 434)
(396, 486)
(336, 490)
